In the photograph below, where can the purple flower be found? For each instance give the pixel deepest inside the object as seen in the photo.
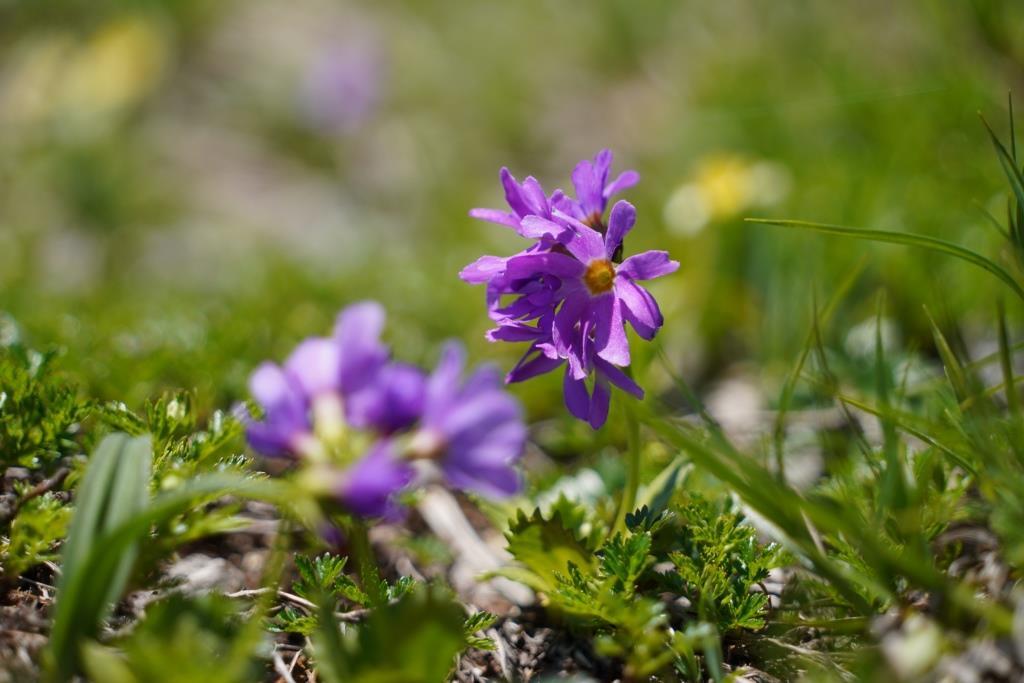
(342, 88)
(324, 379)
(333, 392)
(598, 296)
(474, 428)
(590, 180)
(568, 295)
(368, 488)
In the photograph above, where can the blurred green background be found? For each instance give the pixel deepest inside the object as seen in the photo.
(187, 188)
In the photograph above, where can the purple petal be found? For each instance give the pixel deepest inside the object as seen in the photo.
(563, 330)
(589, 178)
(603, 164)
(393, 402)
(493, 481)
(536, 227)
(316, 365)
(533, 195)
(599, 404)
(610, 340)
(371, 484)
(529, 367)
(495, 216)
(285, 418)
(443, 384)
(648, 265)
(618, 378)
(514, 193)
(473, 417)
(639, 307)
(626, 180)
(531, 265)
(620, 222)
(270, 387)
(484, 378)
(362, 353)
(513, 332)
(483, 269)
(576, 398)
(586, 244)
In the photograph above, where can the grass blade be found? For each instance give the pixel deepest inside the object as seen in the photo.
(114, 490)
(905, 238)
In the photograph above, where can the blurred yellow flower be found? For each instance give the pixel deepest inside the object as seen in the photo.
(85, 82)
(722, 186)
(117, 67)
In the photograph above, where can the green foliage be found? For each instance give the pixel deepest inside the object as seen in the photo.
(179, 640)
(114, 517)
(40, 412)
(720, 566)
(547, 546)
(475, 623)
(323, 575)
(41, 522)
(322, 579)
(413, 640)
(183, 451)
(610, 586)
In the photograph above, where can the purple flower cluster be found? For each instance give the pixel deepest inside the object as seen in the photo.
(570, 293)
(340, 403)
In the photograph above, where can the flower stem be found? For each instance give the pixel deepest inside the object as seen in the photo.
(629, 493)
(366, 564)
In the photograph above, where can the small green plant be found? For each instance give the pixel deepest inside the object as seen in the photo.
(619, 588)
(414, 639)
(41, 413)
(180, 640)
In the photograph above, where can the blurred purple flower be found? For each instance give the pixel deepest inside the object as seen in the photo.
(286, 420)
(342, 88)
(474, 428)
(329, 387)
(321, 378)
(368, 488)
(394, 402)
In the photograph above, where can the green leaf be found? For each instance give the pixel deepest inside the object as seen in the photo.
(476, 622)
(414, 640)
(625, 558)
(114, 490)
(546, 547)
(83, 594)
(656, 495)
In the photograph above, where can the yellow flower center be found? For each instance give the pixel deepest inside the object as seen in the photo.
(599, 276)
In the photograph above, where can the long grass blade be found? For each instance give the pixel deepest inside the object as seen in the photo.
(905, 238)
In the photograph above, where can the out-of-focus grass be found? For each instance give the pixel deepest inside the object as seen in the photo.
(170, 212)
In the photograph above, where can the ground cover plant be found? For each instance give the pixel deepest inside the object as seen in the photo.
(738, 402)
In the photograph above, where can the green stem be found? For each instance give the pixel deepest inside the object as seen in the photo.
(629, 493)
(366, 563)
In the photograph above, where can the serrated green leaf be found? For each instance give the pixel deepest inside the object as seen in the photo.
(546, 547)
(625, 558)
